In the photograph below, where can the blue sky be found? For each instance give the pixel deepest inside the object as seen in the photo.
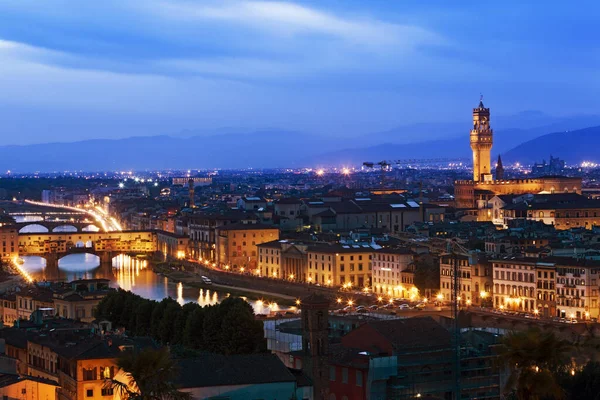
(72, 70)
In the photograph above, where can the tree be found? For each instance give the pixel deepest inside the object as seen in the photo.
(534, 359)
(427, 273)
(143, 316)
(166, 329)
(240, 332)
(147, 375)
(193, 335)
(584, 384)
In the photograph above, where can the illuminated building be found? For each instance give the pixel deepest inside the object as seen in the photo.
(514, 284)
(475, 193)
(198, 181)
(393, 272)
(322, 263)
(552, 286)
(481, 143)
(475, 278)
(9, 242)
(236, 244)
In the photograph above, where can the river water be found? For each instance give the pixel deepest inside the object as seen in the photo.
(130, 273)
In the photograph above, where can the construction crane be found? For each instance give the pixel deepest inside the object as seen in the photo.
(383, 165)
(455, 249)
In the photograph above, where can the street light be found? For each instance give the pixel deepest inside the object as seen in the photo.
(297, 302)
(339, 300)
(483, 294)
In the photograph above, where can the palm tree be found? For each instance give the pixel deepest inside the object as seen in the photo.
(534, 359)
(147, 375)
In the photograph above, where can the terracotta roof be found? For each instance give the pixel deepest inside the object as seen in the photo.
(219, 370)
(410, 333)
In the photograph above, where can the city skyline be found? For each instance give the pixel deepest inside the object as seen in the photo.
(115, 70)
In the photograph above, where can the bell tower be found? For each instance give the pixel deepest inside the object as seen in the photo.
(191, 191)
(481, 143)
(315, 343)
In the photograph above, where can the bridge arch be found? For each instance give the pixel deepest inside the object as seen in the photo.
(65, 228)
(72, 261)
(90, 228)
(34, 228)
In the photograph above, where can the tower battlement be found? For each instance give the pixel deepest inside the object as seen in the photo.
(481, 139)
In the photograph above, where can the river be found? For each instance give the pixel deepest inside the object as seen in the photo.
(130, 273)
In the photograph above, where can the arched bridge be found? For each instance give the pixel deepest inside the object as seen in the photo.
(55, 245)
(55, 226)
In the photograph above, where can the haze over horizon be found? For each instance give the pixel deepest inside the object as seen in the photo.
(78, 71)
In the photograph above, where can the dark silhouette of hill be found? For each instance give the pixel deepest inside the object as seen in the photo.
(572, 146)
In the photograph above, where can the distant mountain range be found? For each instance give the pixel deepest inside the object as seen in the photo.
(239, 148)
(572, 146)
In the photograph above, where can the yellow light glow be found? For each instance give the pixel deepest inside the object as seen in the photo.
(483, 294)
(259, 303)
(297, 302)
(440, 296)
(380, 299)
(242, 269)
(23, 273)
(350, 302)
(339, 300)
(320, 172)
(291, 276)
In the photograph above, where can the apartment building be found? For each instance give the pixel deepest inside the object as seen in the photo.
(394, 272)
(475, 280)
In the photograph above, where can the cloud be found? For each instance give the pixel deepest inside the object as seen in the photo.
(291, 20)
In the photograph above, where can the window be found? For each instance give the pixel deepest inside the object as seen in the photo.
(359, 378)
(107, 372)
(344, 375)
(89, 374)
(332, 374)
(107, 391)
(89, 393)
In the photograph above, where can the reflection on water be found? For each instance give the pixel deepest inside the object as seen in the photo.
(129, 273)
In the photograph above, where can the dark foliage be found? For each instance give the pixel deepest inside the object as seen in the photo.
(226, 328)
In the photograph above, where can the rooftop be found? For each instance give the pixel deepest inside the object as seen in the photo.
(220, 370)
